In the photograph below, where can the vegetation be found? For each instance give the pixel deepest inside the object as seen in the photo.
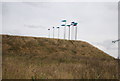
(44, 58)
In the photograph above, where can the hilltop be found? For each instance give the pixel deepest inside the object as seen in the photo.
(41, 58)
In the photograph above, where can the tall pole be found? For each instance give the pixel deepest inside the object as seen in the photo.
(72, 30)
(65, 30)
(69, 32)
(64, 27)
(48, 33)
(75, 24)
(58, 32)
(53, 32)
(76, 33)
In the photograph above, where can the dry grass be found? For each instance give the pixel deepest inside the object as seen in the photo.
(42, 58)
(0, 57)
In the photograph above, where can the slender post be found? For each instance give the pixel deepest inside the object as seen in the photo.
(75, 24)
(53, 32)
(48, 33)
(76, 33)
(69, 32)
(58, 32)
(72, 30)
(65, 30)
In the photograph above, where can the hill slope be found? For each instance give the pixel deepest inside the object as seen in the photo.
(31, 57)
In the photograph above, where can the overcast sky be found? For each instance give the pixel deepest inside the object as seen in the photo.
(97, 21)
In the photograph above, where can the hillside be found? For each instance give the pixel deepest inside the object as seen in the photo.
(42, 58)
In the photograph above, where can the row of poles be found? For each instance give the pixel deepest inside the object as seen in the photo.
(72, 29)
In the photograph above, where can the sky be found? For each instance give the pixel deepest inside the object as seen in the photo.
(97, 21)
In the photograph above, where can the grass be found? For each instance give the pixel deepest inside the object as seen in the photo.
(43, 58)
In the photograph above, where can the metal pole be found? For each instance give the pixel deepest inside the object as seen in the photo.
(72, 32)
(48, 33)
(53, 32)
(76, 33)
(65, 31)
(69, 33)
(58, 31)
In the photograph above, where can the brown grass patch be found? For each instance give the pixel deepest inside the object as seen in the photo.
(42, 58)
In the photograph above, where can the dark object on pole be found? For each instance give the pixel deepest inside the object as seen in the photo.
(63, 20)
(116, 41)
(53, 32)
(63, 25)
(69, 32)
(72, 23)
(58, 31)
(49, 33)
(75, 24)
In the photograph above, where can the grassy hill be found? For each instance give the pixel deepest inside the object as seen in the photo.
(44, 58)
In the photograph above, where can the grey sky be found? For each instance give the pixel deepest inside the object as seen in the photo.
(98, 21)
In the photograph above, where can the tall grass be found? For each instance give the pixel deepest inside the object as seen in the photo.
(41, 58)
